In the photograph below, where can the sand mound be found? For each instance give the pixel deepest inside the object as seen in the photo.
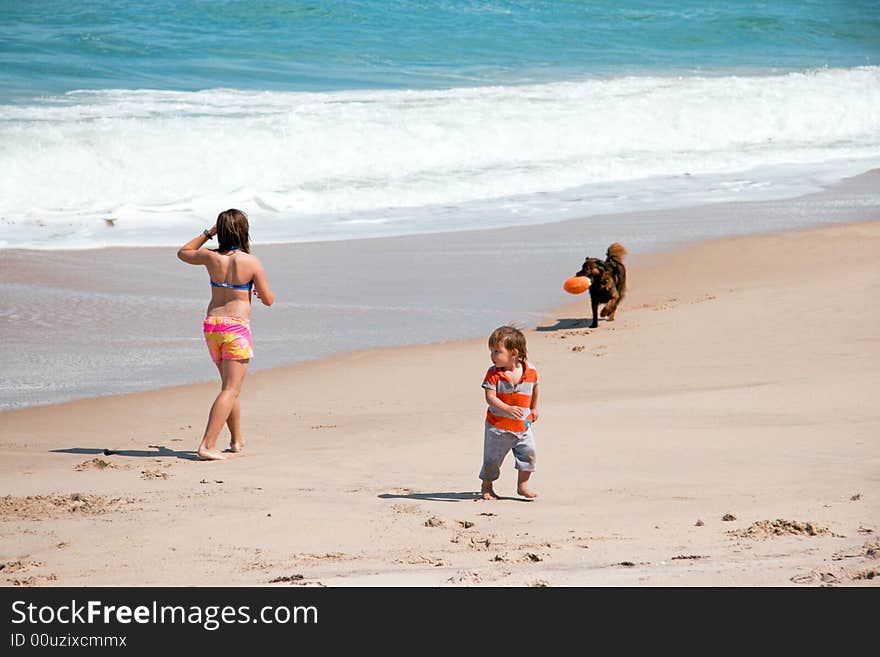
(95, 464)
(47, 506)
(780, 527)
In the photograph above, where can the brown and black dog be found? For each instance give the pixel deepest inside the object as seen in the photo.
(607, 282)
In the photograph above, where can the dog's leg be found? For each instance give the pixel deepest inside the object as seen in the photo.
(594, 303)
(615, 303)
(611, 308)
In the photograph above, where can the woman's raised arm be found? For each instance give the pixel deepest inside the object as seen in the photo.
(191, 251)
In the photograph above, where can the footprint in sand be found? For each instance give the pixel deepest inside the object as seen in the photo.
(37, 507)
(481, 544)
(287, 578)
(153, 474)
(420, 560)
(870, 550)
(405, 508)
(19, 565)
(838, 576)
(466, 578)
(871, 573)
(34, 580)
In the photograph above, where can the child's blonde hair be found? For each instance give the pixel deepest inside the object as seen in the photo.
(510, 338)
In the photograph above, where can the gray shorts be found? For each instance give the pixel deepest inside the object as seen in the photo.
(496, 444)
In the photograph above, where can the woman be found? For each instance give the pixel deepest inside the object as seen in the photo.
(234, 273)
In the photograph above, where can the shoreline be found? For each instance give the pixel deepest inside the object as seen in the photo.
(579, 308)
(427, 289)
(722, 388)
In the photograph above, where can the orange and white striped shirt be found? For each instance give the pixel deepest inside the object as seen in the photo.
(519, 395)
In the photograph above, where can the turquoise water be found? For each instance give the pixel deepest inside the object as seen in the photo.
(134, 123)
(50, 47)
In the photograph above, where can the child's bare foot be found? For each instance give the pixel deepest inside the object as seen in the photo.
(488, 493)
(236, 446)
(525, 491)
(206, 454)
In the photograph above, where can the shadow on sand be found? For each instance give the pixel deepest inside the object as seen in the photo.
(568, 323)
(157, 451)
(445, 497)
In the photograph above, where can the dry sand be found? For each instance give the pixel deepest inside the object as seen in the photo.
(739, 381)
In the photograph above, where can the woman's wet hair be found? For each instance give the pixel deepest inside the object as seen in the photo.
(232, 231)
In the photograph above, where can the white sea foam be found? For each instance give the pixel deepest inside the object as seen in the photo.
(361, 163)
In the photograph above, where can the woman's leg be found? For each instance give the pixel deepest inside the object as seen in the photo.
(232, 373)
(236, 441)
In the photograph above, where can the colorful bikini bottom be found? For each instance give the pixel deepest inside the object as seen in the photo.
(228, 338)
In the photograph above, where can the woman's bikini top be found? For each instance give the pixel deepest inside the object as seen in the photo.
(232, 286)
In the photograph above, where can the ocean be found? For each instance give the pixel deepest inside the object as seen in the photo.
(133, 124)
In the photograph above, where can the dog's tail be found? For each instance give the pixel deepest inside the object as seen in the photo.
(616, 252)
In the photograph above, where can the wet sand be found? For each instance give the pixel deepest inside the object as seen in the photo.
(78, 324)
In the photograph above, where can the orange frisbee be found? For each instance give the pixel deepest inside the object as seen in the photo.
(576, 284)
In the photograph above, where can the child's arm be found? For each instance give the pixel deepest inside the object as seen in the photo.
(533, 407)
(191, 251)
(261, 286)
(494, 402)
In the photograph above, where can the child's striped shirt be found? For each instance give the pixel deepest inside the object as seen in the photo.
(513, 395)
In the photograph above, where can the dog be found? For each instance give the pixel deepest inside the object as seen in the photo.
(607, 282)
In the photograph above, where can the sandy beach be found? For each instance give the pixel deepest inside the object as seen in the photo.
(723, 431)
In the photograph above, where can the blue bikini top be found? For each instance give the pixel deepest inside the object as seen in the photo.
(232, 286)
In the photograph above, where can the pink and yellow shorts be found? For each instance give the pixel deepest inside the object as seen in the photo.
(228, 338)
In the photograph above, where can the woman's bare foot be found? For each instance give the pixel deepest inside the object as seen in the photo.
(235, 446)
(206, 454)
(525, 491)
